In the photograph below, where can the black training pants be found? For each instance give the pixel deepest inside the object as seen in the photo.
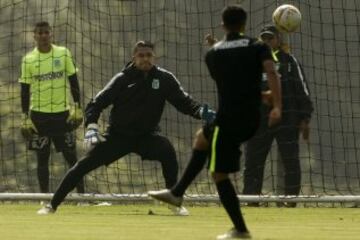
(150, 147)
(257, 149)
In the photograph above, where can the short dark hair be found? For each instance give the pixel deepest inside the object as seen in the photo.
(142, 44)
(234, 17)
(270, 30)
(41, 24)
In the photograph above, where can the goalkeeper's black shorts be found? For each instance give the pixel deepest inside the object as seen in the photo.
(67, 141)
(224, 146)
(51, 128)
(50, 124)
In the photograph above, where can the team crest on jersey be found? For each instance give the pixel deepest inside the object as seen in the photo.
(57, 63)
(155, 84)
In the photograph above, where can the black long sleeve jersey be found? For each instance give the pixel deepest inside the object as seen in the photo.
(297, 105)
(138, 100)
(235, 64)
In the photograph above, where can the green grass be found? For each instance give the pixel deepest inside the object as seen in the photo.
(19, 222)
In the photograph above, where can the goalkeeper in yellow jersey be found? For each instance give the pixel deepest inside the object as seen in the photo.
(48, 75)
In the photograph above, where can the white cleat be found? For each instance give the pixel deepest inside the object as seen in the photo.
(83, 204)
(166, 196)
(234, 234)
(179, 211)
(46, 210)
(104, 204)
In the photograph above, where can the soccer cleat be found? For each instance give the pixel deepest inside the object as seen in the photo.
(179, 211)
(253, 204)
(46, 210)
(83, 204)
(104, 204)
(290, 204)
(166, 196)
(234, 234)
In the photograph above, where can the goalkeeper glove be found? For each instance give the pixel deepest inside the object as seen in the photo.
(27, 127)
(75, 116)
(207, 114)
(92, 136)
(210, 40)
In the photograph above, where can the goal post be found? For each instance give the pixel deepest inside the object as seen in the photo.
(188, 199)
(100, 35)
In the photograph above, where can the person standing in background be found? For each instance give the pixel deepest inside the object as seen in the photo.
(47, 74)
(296, 115)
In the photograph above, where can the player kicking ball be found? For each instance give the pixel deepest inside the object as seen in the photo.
(236, 64)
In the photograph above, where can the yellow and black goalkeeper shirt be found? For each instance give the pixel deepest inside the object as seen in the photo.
(47, 74)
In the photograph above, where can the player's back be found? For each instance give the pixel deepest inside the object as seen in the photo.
(236, 65)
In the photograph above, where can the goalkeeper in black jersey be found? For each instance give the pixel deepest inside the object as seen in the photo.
(138, 95)
(236, 64)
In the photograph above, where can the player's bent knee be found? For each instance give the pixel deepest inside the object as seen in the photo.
(200, 141)
(166, 153)
(218, 177)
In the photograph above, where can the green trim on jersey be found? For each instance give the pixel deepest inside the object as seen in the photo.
(213, 149)
(47, 74)
(273, 53)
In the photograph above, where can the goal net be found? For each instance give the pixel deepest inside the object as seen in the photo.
(100, 35)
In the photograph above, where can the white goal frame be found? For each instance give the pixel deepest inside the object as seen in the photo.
(123, 198)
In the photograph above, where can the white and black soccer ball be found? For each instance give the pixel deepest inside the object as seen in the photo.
(287, 18)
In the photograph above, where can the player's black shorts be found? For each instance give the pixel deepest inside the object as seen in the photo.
(52, 127)
(224, 151)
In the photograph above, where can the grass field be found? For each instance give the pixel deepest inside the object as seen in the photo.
(19, 222)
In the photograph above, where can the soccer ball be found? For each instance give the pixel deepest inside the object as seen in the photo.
(287, 18)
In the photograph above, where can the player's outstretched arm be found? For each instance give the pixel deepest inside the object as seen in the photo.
(210, 40)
